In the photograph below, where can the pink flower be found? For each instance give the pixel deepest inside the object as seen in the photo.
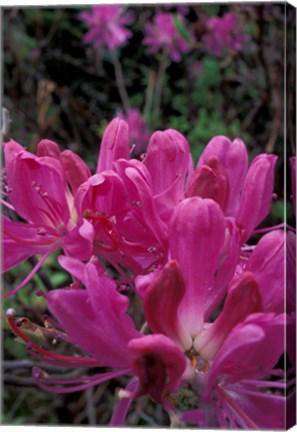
(223, 35)
(96, 319)
(245, 339)
(120, 219)
(239, 374)
(222, 174)
(138, 135)
(107, 26)
(163, 34)
(40, 190)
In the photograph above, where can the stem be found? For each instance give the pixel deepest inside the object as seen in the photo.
(120, 80)
(164, 63)
(5, 122)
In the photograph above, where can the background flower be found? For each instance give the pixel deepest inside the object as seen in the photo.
(107, 26)
(163, 34)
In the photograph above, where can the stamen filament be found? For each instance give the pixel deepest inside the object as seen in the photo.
(30, 275)
(41, 381)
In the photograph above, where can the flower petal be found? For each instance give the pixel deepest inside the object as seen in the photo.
(38, 190)
(227, 265)
(196, 239)
(168, 159)
(158, 363)
(233, 157)
(95, 318)
(161, 302)
(256, 194)
(49, 148)
(267, 263)
(76, 170)
(210, 181)
(114, 145)
(21, 241)
(243, 298)
(251, 350)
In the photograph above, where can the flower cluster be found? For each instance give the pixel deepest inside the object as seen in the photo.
(107, 26)
(171, 239)
(163, 34)
(223, 34)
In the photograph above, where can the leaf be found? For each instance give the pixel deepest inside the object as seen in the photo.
(180, 27)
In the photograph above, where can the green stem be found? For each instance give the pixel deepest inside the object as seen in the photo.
(120, 81)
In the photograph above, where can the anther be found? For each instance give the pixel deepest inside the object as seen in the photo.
(10, 312)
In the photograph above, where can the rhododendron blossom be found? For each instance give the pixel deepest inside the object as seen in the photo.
(223, 35)
(163, 34)
(107, 25)
(167, 291)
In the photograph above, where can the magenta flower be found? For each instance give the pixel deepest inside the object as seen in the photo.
(95, 319)
(138, 135)
(227, 361)
(223, 35)
(120, 219)
(239, 374)
(222, 175)
(40, 190)
(233, 355)
(107, 26)
(163, 34)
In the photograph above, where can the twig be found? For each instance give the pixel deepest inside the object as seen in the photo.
(120, 80)
(90, 407)
(164, 63)
(24, 363)
(6, 120)
(19, 381)
(149, 94)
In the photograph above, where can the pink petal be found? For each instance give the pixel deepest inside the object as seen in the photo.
(167, 160)
(158, 363)
(257, 193)
(76, 170)
(266, 410)
(196, 239)
(121, 410)
(114, 145)
(233, 157)
(77, 244)
(227, 265)
(48, 148)
(11, 150)
(21, 241)
(73, 266)
(194, 417)
(267, 263)
(38, 191)
(95, 318)
(210, 181)
(102, 193)
(161, 302)
(251, 350)
(243, 298)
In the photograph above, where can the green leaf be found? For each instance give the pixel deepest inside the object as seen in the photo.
(180, 27)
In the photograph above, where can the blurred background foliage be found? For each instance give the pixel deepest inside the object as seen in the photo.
(58, 87)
